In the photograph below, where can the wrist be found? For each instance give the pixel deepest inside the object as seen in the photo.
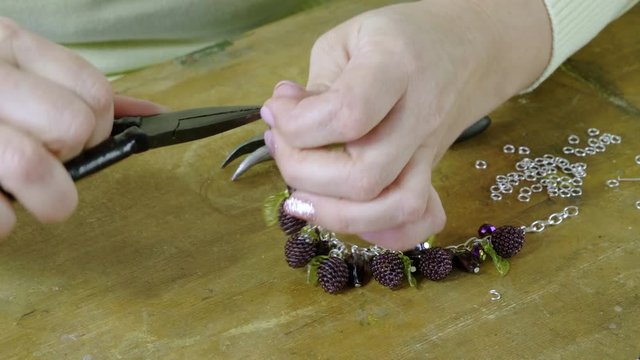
(520, 40)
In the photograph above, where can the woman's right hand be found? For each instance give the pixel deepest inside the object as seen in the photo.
(53, 104)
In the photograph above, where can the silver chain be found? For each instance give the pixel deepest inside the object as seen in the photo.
(339, 248)
(554, 219)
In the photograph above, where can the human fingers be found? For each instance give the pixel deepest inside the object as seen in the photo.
(408, 235)
(35, 177)
(26, 51)
(288, 94)
(363, 93)
(403, 202)
(48, 112)
(359, 170)
(129, 106)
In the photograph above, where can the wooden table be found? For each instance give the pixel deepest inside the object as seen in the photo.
(166, 258)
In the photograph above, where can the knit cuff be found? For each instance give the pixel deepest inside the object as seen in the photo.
(576, 22)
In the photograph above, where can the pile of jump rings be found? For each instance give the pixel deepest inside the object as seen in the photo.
(555, 175)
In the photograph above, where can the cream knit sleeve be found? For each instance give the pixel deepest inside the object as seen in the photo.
(574, 23)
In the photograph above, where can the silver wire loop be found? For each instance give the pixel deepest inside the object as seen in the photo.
(523, 150)
(481, 164)
(573, 139)
(613, 183)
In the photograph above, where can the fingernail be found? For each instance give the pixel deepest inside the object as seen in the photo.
(268, 140)
(299, 208)
(286, 88)
(163, 109)
(267, 115)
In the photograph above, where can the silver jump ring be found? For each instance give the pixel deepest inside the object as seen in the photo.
(524, 197)
(638, 159)
(573, 139)
(638, 204)
(613, 183)
(536, 188)
(523, 150)
(509, 149)
(568, 150)
(593, 132)
(571, 211)
(481, 164)
(526, 191)
(495, 295)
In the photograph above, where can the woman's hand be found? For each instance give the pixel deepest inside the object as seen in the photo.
(395, 87)
(53, 104)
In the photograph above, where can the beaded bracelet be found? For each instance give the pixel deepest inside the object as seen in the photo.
(337, 265)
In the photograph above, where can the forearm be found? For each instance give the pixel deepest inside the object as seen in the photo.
(576, 22)
(523, 40)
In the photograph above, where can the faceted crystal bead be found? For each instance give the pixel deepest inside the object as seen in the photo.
(486, 230)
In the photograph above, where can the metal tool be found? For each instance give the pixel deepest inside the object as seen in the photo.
(132, 135)
(258, 151)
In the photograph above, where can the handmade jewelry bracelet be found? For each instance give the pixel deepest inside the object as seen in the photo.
(337, 265)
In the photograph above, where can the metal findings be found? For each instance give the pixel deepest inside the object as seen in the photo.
(509, 149)
(495, 295)
(554, 219)
(573, 139)
(628, 179)
(541, 173)
(638, 204)
(481, 164)
(638, 159)
(555, 175)
(596, 143)
(613, 183)
(523, 150)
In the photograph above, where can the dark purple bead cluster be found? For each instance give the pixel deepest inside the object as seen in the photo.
(507, 240)
(336, 273)
(388, 269)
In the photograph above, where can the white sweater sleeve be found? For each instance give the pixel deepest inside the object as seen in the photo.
(576, 22)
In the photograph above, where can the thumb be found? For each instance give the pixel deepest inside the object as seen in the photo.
(128, 106)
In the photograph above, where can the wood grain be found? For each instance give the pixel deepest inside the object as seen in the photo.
(166, 258)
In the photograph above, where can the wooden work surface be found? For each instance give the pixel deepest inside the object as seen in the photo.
(166, 258)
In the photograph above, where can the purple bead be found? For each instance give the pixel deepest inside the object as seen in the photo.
(485, 230)
(478, 253)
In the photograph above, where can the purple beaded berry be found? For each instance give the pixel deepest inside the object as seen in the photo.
(333, 274)
(436, 263)
(507, 240)
(298, 251)
(388, 270)
(290, 225)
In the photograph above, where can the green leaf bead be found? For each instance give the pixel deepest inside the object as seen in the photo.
(271, 207)
(501, 264)
(312, 268)
(408, 264)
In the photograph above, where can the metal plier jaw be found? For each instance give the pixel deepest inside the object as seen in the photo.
(258, 152)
